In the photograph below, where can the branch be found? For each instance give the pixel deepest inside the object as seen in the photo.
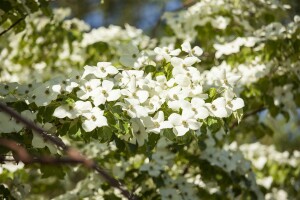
(31, 125)
(73, 153)
(23, 155)
(13, 25)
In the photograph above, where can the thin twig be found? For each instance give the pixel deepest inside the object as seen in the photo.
(73, 153)
(13, 25)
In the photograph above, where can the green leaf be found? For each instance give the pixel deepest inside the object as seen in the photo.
(152, 140)
(214, 124)
(119, 143)
(104, 134)
(52, 171)
(185, 139)
(63, 130)
(74, 126)
(110, 118)
(212, 93)
(150, 69)
(48, 113)
(168, 133)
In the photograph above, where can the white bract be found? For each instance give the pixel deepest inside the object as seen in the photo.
(93, 119)
(186, 47)
(217, 108)
(73, 110)
(183, 123)
(102, 70)
(105, 93)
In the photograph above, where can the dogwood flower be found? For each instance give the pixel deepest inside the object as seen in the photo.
(9, 124)
(228, 80)
(133, 92)
(139, 132)
(169, 193)
(183, 123)
(105, 93)
(232, 103)
(197, 107)
(180, 63)
(152, 168)
(87, 88)
(217, 108)
(157, 123)
(176, 95)
(94, 119)
(166, 53)
(133, 108)
(186, 47)
(43, 95)
(73, 111)
(154, 103)
(131, 57)
(102, 70)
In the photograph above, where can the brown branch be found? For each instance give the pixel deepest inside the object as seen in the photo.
(13, 25)
(73, 153)
(235, 123)
(23, 155)
(31, 125)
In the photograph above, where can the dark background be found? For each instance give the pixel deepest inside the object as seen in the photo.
(142, 14)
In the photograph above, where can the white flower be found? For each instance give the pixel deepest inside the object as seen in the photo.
(232, 103)
(265, 182)
(133, 108)
(182, 63)
(39, 142)
(87, 88)
(105, 93)
(166, 53)
(186, 76)
(218, 107)
(183, 123)
(131, 57)
(162, 157)
(9, 124)
(169, 193)
(197, 107)
(228, 80)
(73, 111)
(176, 95)
(123, 78)
(102, 70)
(186, 46)
(133, 92)
(43, 95)
(64, 86)
(235, 104)
(152, 168)
(157, 123)
(154, 103)
(94, 119)
(139, 132)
